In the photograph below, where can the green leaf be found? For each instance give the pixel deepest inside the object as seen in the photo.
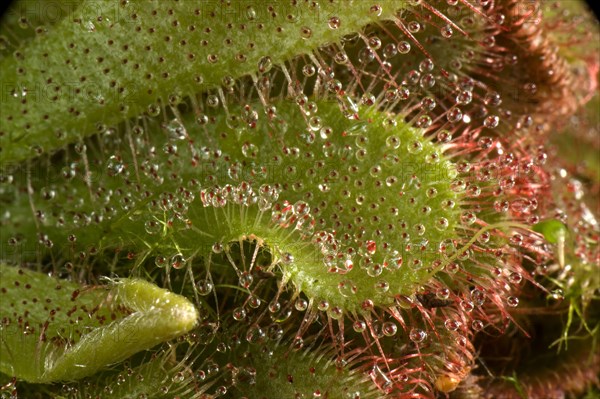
(55, 330)
(552, 230)
(113, 60)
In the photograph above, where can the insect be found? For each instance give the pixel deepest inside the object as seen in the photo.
(430, 301)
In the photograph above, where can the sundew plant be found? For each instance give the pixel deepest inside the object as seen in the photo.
(328, 199)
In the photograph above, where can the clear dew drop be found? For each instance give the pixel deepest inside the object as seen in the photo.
(305, 32)
(298, 343)
(89, 26)
(426, 65)
(275, 331)
(375, 10)
(239, 314)
(415, 147)
(392, 142)
(428, 104)
(454, 115)
(245, 280)
(368, 99)
(446, 31)
(477, 325)
(8, 179)
(414, 26)
(314, 123)
(382, 286)
(222, 347)
(403, 47)
(442, 293)
(175, 130)
(374, 269)
(347, 288)
(204, 287)
(153, 110)
(274, 306)
(47, 193)
(489, 41)
(212, 101)
(390, 50)
(359, 326)
(515, 278)
(451, 325)
(389, 329)
(477, 296)
(152, 226)
(405, 302)
(485, 142)
(424, 121)
(265, 64)
(444, 136)
(341, 58)
(170, 149)
(335, 313)
(427, 81)
(178, 377)
(417, 335)
(114, 166)
(301, 304)
(202, 119)
(492, 99)
(468, 218)
(255, 335)
(334, 22)
(249, 150)
(250, 13)
(374, 43)
(391, 95)
(491, 122)
(467, 306)
(233, 122)
(464, 97)
(178, 261)
(161, 261)
(243, 376)
(212, 368)
(323, 305)
(512, 301)
(516, 239)
(458, 185)
(498, 18)
(442, 224)
(309, 70)
(419, 229)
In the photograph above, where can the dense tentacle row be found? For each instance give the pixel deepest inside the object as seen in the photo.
(565, 320)
(364, 196)
(583, 162)
(535, 56)
(172, 233)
